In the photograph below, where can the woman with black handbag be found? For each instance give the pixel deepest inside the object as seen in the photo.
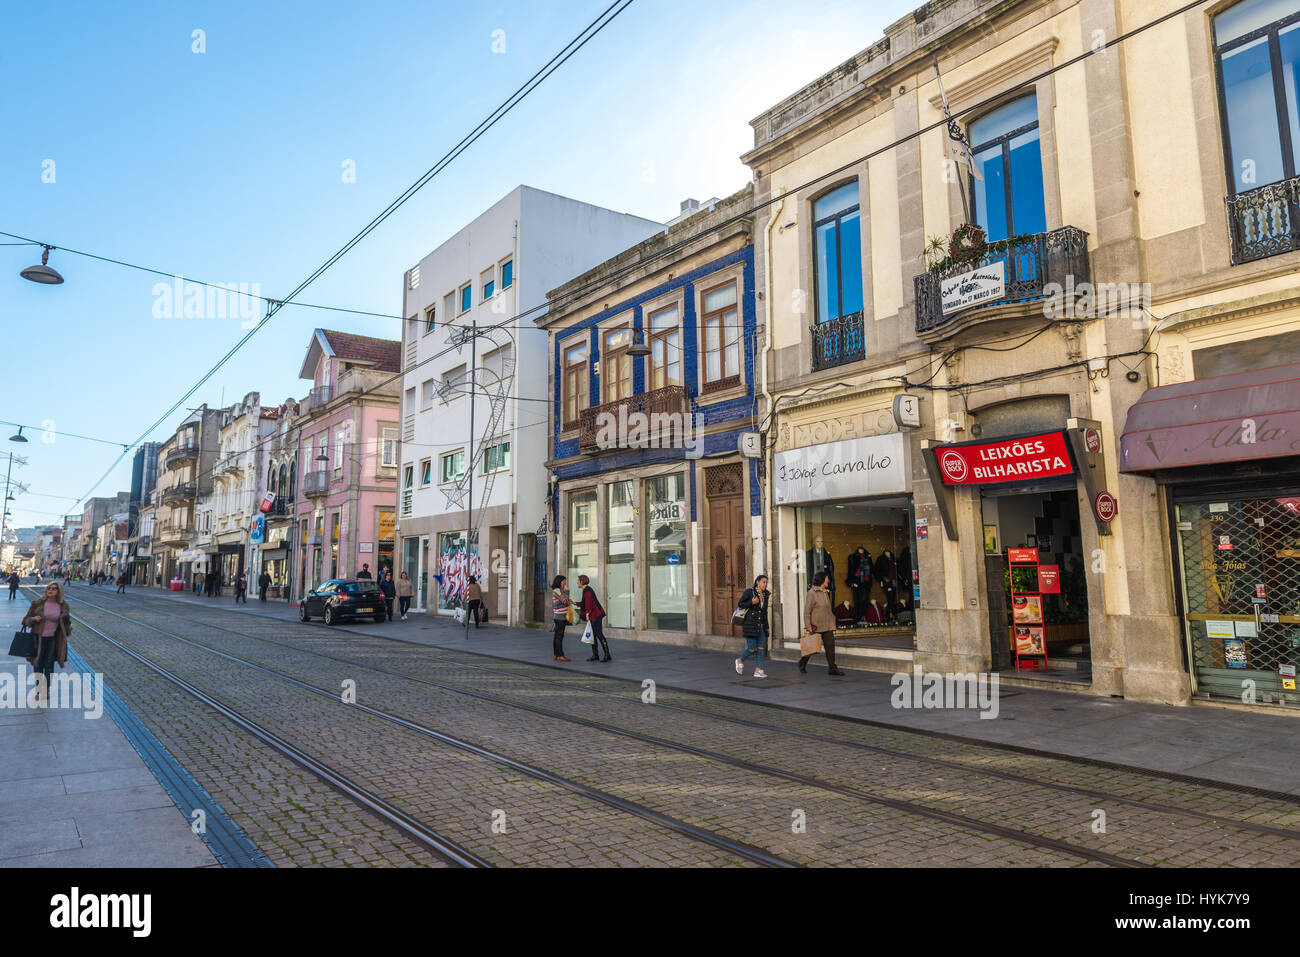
(753, 602)
(51, 621)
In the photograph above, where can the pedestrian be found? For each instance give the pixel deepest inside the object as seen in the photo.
(14, 582)
(753, 601)
(364, 573)
(211, 589)
(263, 583)
(390, 591)
(473, 599)
(594, 613)
(562, 613)
(241, 589)
(818, 619)
(51, 620)
(198, 581)
(405, 592)
(121, 584)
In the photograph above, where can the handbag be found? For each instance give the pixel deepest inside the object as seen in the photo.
(587, 637)
(571, 615)
(810, 644)
(24, 644)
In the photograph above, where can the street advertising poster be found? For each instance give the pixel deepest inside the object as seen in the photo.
(1029, 640)
(1049, 579)
(1234, 653)
(1027, 610)
(1220, 629)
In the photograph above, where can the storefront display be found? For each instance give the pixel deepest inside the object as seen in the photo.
(665, 560)
(584, 541)
(620, 554)
(455, 568)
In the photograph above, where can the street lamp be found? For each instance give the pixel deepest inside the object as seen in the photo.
(44, 274)
(19, 437)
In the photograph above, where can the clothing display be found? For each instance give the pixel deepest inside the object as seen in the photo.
(819, 560)
(859, 580)
(887, 574)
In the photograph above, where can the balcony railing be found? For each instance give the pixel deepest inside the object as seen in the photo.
(174, 534)
(316, 483)
(670, 400)
(316, 398)
(1264, 221)
(180, 493)
(179, 456)
(838, 341)
(280, 508)
(230, 463)
(1028, 263)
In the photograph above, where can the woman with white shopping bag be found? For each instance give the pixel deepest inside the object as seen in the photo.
(594, 613)
(818, 625)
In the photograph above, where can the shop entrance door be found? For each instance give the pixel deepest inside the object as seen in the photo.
(728, 536)
(1046, 520)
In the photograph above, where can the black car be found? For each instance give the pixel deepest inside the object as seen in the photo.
(343, 599)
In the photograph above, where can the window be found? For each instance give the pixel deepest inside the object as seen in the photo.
(428, 389)
(306, 453)
(507, 274)
(496, 457)
(837, 225)
(451, 467)
(1009, 200)
(429, 316)
(665, 348)
(489, 285)
(1258, 49)
(721, 325)
(466, 297)
(616, 365)
(338, 448)
(453, 384)
(575, 379)
(426, 472)
(449, 304)
(388, 448)
(408, 482)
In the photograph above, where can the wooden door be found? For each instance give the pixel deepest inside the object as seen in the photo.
(728, 564)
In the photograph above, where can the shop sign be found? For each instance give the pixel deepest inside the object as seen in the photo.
(1105, 506)
(970, 288)
(1225, 543)
(750, 444)
(1259, 591)
(267, 501)
(1286, 671)
(1008, 460)
(907, 411)
(257, 531)
(854, 468)
(1092, 440)
(666, 512)
(1049, 579)
(1022, 556)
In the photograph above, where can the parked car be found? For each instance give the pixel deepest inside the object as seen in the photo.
(343, 599)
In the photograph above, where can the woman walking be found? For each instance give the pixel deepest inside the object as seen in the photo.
(594, 612)
(818, 619)
(405, 592)
(51, 620)
(754, 626)
(562, 612)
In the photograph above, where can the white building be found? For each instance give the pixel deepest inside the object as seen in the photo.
(238, 484)
(497, 268)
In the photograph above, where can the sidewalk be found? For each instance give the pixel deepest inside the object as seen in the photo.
(1235, 747)
(74, 792)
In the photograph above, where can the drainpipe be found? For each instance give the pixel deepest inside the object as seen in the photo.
(767, 395)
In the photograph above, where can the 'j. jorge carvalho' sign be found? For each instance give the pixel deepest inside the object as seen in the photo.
(854, 468)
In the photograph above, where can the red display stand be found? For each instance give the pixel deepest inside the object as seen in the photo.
(177, 585)
(1028, 632)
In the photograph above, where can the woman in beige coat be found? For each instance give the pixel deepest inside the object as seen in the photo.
(818, 618)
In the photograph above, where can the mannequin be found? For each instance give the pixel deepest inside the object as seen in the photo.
(819, 560)
(859, 580)
(874, 614)
(844, 616)
(905, 576)
(887, 574)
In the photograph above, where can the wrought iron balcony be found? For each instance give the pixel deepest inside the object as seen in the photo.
(1028, 264)
(316, 483)
(318, 397)
(234, 462)
(836, 342)
(181, 455)
(281, 508)
(174, 535)
(670, 400)
(184, 492)
(1264, 221)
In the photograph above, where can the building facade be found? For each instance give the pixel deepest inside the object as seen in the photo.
(497, 268)
(653, 499)
(182, 495)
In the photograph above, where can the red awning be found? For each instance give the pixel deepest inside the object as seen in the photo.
(1227, 418)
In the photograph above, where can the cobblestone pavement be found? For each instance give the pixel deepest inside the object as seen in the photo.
(753, 802)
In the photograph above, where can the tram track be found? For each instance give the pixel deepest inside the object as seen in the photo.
(439, 843)
(950, 818)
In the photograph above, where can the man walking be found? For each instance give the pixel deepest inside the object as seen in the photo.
(14, 582)
(389, 589)
(263, 583)
(364, 573)
(241, 589)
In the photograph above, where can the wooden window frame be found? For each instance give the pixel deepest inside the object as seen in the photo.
(726, 381)
(582, 387)
(652, 337)
(608, 360)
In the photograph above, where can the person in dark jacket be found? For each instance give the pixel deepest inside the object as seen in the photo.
(859, 580)
(263, 583)
(390, 591)
(754, 627)
(561, 606)
(474, 600)
(364, 573)
(121, 583)
(887, 574)
(14, 582)
(594, 613)
(241, 589)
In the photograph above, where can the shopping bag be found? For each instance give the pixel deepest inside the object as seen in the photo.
(571, 615)
(587, 638)
(24, 644)
(460, 615)
(810, 644)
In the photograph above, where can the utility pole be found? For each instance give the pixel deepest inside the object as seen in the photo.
(4, 509)
(471, 533)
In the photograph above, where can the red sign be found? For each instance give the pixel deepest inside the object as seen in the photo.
(1105, 506)
(1008, 460)
(1092, 440)
(1049, 579)
(1259, 591)
(1022, 556)
(267, 501)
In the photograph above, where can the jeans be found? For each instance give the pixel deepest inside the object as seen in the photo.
(388, 607)
(557, 640)
(474, 607)
(598, 636)
(404, 603)
(756, 646)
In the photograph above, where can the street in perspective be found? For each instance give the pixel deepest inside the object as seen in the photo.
(653, 436)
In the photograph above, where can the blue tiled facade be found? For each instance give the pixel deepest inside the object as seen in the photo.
(738, 411)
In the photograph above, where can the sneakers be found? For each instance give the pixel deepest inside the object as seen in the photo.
(740, 667)
(760, 673)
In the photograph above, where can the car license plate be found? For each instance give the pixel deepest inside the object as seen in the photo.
(365, 609)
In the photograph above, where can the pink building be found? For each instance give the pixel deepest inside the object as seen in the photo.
(347, 444)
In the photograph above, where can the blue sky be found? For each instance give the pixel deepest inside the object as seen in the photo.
(226, 166)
